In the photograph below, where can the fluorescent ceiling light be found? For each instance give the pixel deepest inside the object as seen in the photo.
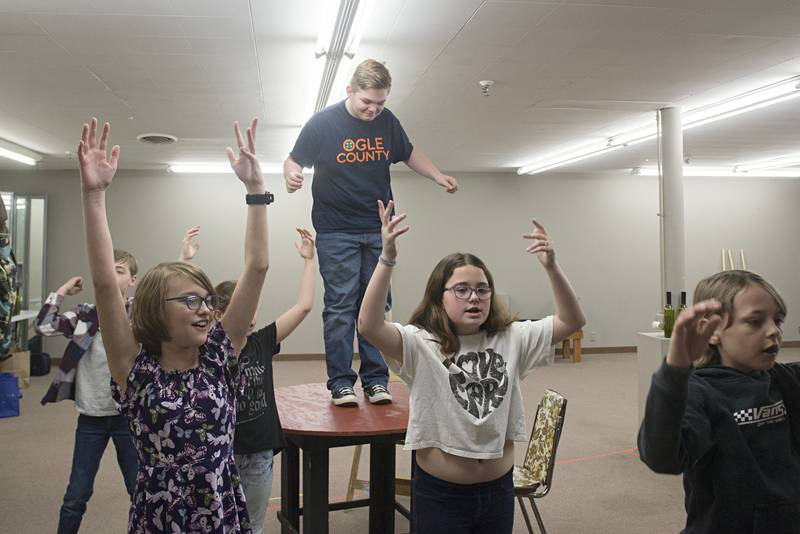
(743, 103)
(348, 62)
(771, 163)
(719, 172)
(18, 153)
(564, 160)
(219, 168)
(750, 101)
(339, 35)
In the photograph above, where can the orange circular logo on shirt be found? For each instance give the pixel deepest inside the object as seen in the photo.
(348, 145)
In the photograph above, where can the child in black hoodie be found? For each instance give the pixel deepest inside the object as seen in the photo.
(731, 425)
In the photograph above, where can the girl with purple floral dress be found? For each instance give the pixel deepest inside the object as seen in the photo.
(175, 372)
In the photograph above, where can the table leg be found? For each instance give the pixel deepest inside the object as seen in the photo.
(413, 476)
(381, 488)
(290, 488)
(315, 490)
(577, 351)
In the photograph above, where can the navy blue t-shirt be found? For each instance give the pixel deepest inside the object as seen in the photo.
(351, 160)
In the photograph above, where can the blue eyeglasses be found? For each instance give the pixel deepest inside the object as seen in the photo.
(464, 292)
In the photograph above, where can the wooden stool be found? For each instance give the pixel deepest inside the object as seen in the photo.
(575, 338)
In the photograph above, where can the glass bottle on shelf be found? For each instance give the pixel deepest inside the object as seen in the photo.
(669, 316)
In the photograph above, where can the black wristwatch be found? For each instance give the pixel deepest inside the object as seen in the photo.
(266, 198)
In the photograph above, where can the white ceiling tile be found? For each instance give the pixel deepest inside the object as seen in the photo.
(215, 27)
(125, 45)
(235, 47)
(28, 44)
(585, 17)
(684, 4)
(212, 8)
(100, 7)
(17, 24)
(729, 22)
(108, 27)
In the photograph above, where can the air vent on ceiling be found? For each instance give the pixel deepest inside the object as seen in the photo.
(156, 138)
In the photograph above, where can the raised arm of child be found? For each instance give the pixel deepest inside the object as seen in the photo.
(371, 322)
(50, 321)
(291, 318)
(97, 170)
(672, 429)
(188, 246)
(569, 315)
(244, 301)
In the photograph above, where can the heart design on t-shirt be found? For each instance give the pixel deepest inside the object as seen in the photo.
(478, 380)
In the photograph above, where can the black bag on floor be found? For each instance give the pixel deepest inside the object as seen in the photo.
(40, 364)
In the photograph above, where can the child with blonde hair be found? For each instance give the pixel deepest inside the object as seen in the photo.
(174, 369)
(724, 413)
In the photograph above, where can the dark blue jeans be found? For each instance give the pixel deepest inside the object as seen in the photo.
(441, 506)
(346, 262)
(91, 438)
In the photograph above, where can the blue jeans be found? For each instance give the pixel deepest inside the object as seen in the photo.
(346, 262)
(91, 438)
(441, 506)
(256, 473)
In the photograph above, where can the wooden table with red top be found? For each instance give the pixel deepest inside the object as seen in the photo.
(312, 423)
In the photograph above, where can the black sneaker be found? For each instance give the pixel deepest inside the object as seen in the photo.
(344, 396)
(378, 394)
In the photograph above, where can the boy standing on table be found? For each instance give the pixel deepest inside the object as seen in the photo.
(351, 146)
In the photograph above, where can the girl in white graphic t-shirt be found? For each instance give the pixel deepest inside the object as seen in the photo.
(463, 358)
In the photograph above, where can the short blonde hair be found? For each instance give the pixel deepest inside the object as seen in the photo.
(126, 258)
(149, 323)
(724, 287)
(371, 74)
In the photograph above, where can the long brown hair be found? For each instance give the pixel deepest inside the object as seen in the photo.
(724, 287)
(430, 315)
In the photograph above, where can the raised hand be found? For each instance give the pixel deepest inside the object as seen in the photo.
(73, 286)
(306, 245)
(692, 332)
(542, 246)
(97, 169)
(448, 182)
(389, 229)
(246, 165)
(294, 181)
(188, 247)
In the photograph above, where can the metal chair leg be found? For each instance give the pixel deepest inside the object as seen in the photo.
(537, 514)
(525, 515)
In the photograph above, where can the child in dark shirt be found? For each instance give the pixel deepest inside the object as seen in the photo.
(722, 411)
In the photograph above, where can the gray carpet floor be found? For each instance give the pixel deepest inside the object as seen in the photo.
(600, 485)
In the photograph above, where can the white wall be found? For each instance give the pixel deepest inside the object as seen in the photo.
(605, 229)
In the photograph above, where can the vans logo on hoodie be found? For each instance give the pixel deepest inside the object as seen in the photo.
(772, 413)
